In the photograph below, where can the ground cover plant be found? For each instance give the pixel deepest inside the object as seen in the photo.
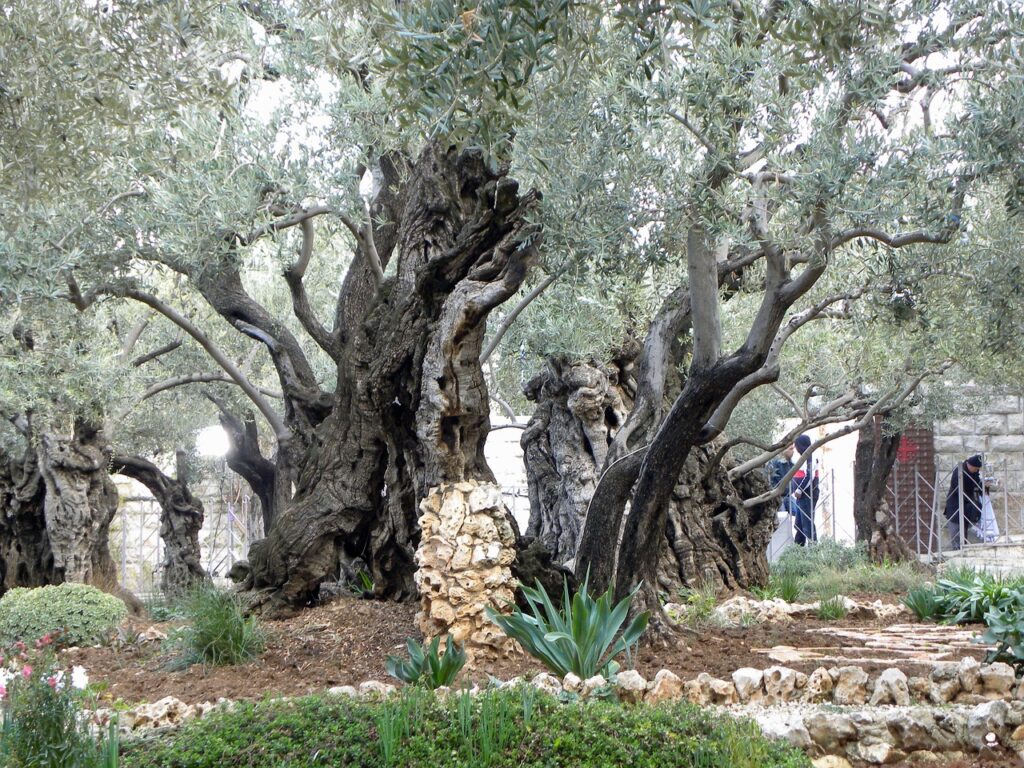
(509, 727)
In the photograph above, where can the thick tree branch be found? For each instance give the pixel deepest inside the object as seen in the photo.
(294, 275)
(197, 378)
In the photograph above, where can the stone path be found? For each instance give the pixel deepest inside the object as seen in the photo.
(894, 645)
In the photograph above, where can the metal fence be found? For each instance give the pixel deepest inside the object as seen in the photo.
(232, 522)
(919, 510)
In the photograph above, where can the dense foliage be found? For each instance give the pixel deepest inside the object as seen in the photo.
(514, 727)
(217, 631)
(76, 614)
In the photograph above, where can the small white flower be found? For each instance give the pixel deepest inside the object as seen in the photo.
(79, 678)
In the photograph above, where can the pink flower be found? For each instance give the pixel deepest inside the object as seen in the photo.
(3, 692)
(26, 671)
(52, 682)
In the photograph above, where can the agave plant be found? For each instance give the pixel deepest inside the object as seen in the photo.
(427, 665)
(923, 602)
(583, 636)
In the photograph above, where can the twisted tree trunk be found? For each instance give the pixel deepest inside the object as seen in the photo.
(876, 454)
(410, 411)
(181, 518)
(709, 537)
(25, 556)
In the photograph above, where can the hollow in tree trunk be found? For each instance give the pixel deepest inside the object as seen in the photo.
(25, 556)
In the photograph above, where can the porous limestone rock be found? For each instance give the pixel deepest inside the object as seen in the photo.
(548, 683)
(850, 685)
(891, 688)
(830, 730)
(779, 685)
(706, 689)
(830, 761)
(168, 712)
(466, 548)
(985, 719)
(877, 753)
(666, 686)
(376, 688)
(593, 685)
(968, 672)
(819, 686)
(631, 686)
(747, 682)
(342, 690)
(997, 680)
(572, 683)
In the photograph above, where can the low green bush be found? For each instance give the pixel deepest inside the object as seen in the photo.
(426, 665)
(218, 631)
(699, 604)
(583, 636)
(814, 558)
(496, 729)
(863, 578)
(785, 585)
(77, 613)
(1005, 630)
(832, 608)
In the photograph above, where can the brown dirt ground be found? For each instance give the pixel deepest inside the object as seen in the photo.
(348, 640)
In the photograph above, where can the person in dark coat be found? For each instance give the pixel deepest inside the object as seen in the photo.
(803, 494)
(965, 493)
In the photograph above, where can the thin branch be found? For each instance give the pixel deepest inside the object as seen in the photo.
(516, 311)
(801, 413)
(276, 422)
(685, 121)
(366, 244)
(291, 220)
(197, 378)
(168, 347)
(133, 335)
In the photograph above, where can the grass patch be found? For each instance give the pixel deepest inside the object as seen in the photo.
(513, 727)
(218, 631)
(832, 608)
(699, 603)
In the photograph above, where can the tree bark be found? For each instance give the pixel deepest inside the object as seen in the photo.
(25, 556)
(410, 411)
(181, 518)
(79, 502)
(709, 538)
(875, 456)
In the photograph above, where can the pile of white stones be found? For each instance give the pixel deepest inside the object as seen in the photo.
(740, 610)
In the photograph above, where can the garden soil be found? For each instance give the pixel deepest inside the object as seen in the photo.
(348, 640)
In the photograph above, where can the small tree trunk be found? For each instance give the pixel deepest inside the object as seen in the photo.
(79, 503)
(181, 518)
(876, 454)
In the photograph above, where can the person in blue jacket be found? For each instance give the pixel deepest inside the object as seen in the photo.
(803, 494)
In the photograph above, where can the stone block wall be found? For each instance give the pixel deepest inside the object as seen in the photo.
(992, 425)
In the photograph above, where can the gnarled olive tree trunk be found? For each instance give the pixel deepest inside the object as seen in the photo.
(25, 556)
(875, 457)
(410, 411)
(181, 518)
(709, 537)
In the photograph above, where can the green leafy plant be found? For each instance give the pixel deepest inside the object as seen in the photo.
(922, 602)
(82, 615)
(363, 585)
(1005, 630)
(832, 608)
(426, 665)
(218, 631)
(583, 636)
(41, 711)
(700, 603)
(963, 601)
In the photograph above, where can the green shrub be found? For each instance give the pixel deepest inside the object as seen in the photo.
(922, 603)
(832, 608)
(825, 554)
(80, 614)
(218, 631)
(579, 637)
(425, 665)
(964, 602)
(463, 732)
